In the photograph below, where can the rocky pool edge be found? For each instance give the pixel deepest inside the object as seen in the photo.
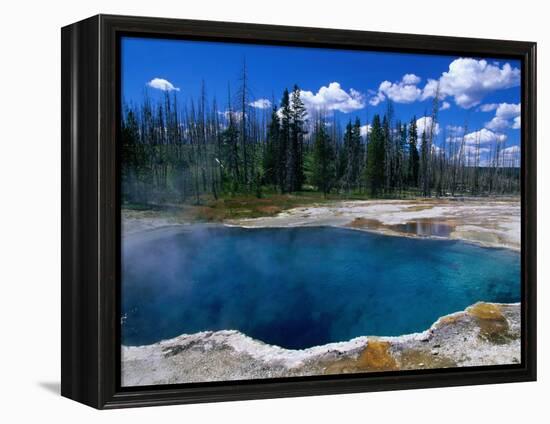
(482, 334)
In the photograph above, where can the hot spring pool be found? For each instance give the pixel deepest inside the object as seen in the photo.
(301, 287)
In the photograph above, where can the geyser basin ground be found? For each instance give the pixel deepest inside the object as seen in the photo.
(304, 286)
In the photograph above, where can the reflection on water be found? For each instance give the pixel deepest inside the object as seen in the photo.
(424, 228)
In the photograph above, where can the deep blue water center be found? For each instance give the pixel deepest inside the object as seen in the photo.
(301, 287)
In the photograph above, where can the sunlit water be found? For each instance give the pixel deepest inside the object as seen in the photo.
(301, 287)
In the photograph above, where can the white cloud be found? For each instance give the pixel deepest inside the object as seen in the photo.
(455, 128)
(484, 136)
(474, 150)
(511, 155)
(482, 143)
(404, 91)
(236, 115)
(411, 79)
(507, 115)
(377, 99)
(508, 110)
(497, 124)
(454, 133)
(261, 104)
(488, 107)
(512, 152)
(365, 129)
(437, 150)
(469, 80)
(430, 90)
(162, 84)
(333, 98)
(425, 124)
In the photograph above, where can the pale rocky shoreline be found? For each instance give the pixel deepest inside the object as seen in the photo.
(483, 334)
(488, 222)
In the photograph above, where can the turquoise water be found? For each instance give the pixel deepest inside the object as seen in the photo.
(301, 287)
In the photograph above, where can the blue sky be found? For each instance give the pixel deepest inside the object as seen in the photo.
(482, 94)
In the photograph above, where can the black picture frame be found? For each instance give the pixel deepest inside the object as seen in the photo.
(90, 237)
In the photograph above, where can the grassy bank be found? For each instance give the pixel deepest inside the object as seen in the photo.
(240, 206)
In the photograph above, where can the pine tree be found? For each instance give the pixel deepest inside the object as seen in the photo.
(346, 158)
(284, 141)
(243, 100)
(401, 147)
(297, 127)
(388, 150)
(323, 159)
(357, 152)
(424, 158)
(271, 155)
(230, 143)
(351, 155)
(133, 163)
(413, 154)
(375, 158)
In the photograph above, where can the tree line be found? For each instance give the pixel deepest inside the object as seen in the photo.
(186, 154)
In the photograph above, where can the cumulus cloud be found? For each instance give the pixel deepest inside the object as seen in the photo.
(474, 150)
(479, 146)
(507, 115)
(508, 110)
(455, 128)
(404, 91)
(261, 104)
(484, 136)
(365, 129)
(511, 155)
(425, 124)
(512, 152)
(488, 107)
(162, 84)
(497, 124)
(469, 80)
(477, 156)
(411, 79)
(377, 98)
(333, 97)
(236, 115)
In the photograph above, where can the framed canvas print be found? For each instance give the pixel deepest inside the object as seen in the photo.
(255, 211)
